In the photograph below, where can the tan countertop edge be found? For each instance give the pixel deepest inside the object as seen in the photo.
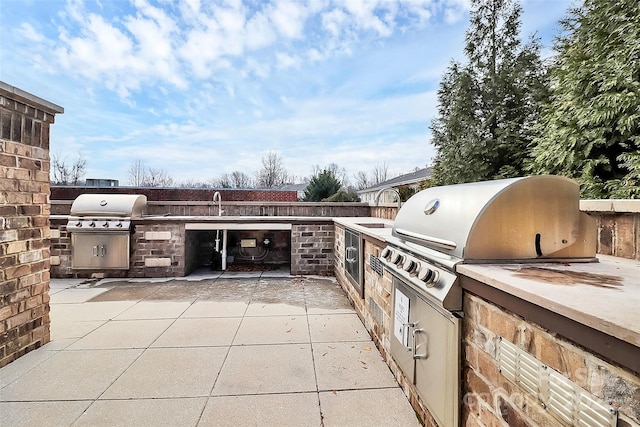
(355, 223)
(610, 205)
(614, 311)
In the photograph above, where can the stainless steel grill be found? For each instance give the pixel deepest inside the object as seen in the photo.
(531, 219)
(100, 227)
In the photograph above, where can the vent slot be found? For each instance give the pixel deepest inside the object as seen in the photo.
(376, 265)
(564, 399)
(376, 312)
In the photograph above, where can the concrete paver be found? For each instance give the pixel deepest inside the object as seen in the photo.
(143, 412)
(350, 365)
(123, 334)
(282, 410)
(254, 349)
(337, 327)
(203, 332)
(260, 369)
(366, 408)
(169, 372)
(273, 330)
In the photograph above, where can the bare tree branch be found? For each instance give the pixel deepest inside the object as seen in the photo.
(272, 174)
(63, 173)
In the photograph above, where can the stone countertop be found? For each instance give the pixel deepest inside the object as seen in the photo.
(604, 295)
(378, 228)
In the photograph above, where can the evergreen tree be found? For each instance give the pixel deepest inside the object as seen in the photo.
(590, 131)
(322, 185)
(488, 106)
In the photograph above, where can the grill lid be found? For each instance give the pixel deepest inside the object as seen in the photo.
(109, 205)
(508, 219)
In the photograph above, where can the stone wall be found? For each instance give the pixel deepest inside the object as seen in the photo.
(24, 221)
(231, 208)
(490, 399)
(312, 249)
(192, 194)
(158, 250)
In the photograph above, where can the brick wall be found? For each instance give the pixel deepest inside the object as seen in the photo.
(24, 221)
(312, 249)
(159, 194)
(60, 247)
(234, 208)
(158, 250)
(490, 399)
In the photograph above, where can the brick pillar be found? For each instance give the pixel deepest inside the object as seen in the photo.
(312, 249)
(24, 221)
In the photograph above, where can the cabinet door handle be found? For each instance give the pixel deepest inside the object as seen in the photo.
(103, 250)
(350, 254)
(405, 333)
(415, 345)
(94, 250)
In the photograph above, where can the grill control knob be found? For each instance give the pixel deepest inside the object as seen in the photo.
(429, 276)
(119, 225)
(92, 224)
(106, 224)
(395, 256)
(409, 265)
(79, 224)
(400, 261)
(385, 253)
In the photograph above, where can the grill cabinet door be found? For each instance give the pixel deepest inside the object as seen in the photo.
(425, 342)
(401, 338)
(437, 359)
(100, 250)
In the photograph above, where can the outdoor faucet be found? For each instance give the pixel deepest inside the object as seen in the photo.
(382, 190)
(218, 198)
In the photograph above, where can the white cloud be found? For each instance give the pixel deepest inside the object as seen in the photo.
(259, 32)
(27, 31)
(284, 60)
(289, 18)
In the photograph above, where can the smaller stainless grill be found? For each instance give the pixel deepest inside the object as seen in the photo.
(100, 227)
(105, 212)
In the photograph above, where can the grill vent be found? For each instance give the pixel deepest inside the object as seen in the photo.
(376, 312)
(564, 399)
(376, 265)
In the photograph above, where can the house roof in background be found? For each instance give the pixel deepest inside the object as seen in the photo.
(409, 178)
(294, 187)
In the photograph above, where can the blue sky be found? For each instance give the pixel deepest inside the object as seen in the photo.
(202, 88)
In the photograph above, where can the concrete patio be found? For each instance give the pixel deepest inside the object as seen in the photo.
(259, 349)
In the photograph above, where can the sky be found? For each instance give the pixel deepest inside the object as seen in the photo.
(199, 88)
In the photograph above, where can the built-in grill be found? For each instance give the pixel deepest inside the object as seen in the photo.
(531, 219)
(100, 227)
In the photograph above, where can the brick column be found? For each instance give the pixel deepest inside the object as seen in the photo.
(24, 221)
(312, 249)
